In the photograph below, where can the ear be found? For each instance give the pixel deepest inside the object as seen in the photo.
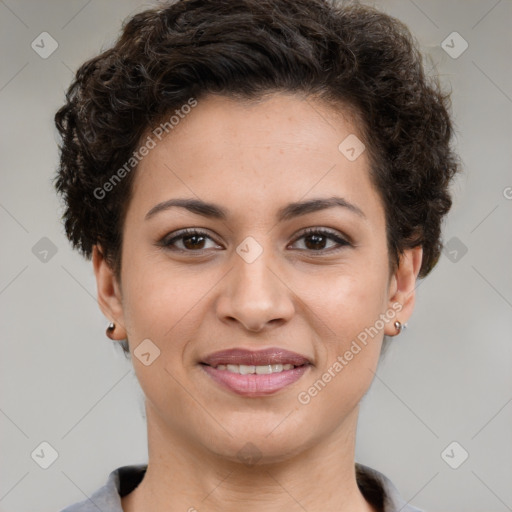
(402, 286)
(109, 292)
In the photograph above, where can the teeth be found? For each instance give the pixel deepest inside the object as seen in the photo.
(244, 369)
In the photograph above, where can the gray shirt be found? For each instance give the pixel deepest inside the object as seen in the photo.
(375, 487)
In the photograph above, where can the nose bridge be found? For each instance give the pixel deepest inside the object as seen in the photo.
(255, 296)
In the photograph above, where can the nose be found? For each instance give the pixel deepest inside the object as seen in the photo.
(255, 295)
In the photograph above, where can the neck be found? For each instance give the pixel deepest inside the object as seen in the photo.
(184, 477)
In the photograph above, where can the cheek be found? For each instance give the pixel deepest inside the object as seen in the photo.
(345, 300)
(160, 307)
(347, 308)
(155, 295)
(348, 348)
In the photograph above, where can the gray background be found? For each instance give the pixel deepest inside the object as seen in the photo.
(447, 378)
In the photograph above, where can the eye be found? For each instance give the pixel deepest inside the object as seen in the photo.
(316, 238)
(191, 240)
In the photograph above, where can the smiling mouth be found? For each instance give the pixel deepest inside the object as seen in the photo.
(255, 373)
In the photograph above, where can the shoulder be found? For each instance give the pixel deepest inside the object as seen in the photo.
(380, 491)
(107, 498)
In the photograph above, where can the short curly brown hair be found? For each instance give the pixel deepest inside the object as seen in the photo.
(344, 54)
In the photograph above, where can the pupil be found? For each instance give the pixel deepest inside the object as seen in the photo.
(194, 244)
(317, 241)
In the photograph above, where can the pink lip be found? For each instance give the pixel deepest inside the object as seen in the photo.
(254, 385)
(271, 355)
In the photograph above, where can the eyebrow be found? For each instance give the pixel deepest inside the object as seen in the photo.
(292, 210)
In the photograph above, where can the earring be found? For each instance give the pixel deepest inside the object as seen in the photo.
(399, 326)
(110, 330)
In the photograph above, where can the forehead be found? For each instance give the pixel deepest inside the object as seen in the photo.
(256, 154)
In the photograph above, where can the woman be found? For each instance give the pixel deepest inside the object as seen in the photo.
(259, 185)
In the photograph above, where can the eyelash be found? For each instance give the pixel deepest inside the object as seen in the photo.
(167, 242)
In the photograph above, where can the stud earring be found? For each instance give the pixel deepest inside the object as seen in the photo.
(110, 330)
(399, 326)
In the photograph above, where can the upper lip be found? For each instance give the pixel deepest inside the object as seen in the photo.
(272, 355)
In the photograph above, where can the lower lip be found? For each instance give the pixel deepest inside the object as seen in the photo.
(255, 384)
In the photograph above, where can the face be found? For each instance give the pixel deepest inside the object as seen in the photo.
(267, 274)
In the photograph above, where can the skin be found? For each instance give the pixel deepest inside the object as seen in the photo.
(253, 159)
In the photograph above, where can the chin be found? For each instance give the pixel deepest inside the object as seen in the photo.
(260, 445)
(259, 451)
